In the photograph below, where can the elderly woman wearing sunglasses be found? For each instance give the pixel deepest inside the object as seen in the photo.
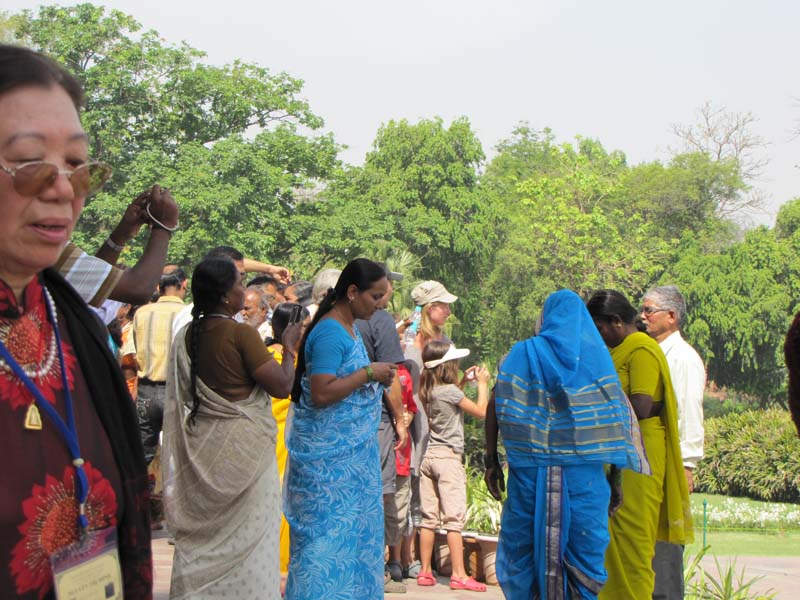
(74, 476)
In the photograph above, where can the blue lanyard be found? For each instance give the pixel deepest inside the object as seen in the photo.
(68, 431)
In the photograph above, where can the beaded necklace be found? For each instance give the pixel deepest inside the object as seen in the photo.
(31, 340)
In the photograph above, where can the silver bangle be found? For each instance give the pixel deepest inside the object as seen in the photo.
(113, 245)
(157, 223)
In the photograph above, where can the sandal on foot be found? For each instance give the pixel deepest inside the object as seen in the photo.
(426, 579)
(468, 584)
(395, 569)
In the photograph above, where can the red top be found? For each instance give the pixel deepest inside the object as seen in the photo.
(403, 456)
(38, 508)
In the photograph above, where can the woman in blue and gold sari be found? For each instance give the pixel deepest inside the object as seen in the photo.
(563, 416)
(656, 506)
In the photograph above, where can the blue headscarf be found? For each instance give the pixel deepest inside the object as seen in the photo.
(558, 397)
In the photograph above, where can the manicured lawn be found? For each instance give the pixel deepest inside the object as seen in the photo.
(744, 527)
(726, 543)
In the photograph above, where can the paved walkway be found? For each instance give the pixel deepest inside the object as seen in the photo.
(162, 559)
(781, 574)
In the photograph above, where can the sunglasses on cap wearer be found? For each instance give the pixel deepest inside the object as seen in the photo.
(32, 178)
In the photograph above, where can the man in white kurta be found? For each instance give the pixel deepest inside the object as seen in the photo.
(663, 311)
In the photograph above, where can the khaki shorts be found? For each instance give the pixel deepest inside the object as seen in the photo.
(395, 512)
(443, 489)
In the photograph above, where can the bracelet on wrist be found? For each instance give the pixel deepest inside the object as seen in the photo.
(113, 245)
(491, 460)
(370, 375)
(156, 224)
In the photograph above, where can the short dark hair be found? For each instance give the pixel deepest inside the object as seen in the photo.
(262, 280)
(20, 66)
(225, 251)
(174, 278)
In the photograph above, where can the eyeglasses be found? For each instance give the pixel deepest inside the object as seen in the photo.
(32, 178)
(651, 310)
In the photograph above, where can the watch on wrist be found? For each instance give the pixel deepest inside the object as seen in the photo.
(113, 245)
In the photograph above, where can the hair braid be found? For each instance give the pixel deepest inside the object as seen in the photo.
(194, 346)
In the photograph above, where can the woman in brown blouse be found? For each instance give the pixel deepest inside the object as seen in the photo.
(222, 496)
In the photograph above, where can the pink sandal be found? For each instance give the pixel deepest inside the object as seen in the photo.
(468, 584)
(426, 579)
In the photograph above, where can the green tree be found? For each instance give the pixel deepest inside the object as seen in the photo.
(741, 301)
(682, 196)
(226, 141)
(418, 191)
(578, 216)
(143, 93)
(787, 223)
(728, 137)
(561, 235)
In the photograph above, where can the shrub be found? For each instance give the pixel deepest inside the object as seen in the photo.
(724, 513)
(701, 584)
(483, 511)
(754, 454)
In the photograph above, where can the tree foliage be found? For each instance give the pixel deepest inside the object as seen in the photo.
(728, 138)
(741, 300)
(157, 113)
(240, 149)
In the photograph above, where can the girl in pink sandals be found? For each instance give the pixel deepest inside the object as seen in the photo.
(443, 480)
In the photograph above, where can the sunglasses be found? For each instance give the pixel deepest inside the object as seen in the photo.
(32, 178)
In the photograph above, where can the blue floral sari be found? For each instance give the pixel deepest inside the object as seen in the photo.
(334, 502)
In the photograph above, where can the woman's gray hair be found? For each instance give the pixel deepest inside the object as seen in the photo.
(324, 280)
(670, 298)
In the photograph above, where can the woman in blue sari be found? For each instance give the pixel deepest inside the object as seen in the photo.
(563, 416)
(334, 501)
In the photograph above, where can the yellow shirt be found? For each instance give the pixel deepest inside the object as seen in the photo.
(151, 337)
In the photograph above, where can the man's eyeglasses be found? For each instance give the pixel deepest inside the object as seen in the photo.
(32, 178)
(651, 310)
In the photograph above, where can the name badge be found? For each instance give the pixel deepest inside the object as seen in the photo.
(89, 569)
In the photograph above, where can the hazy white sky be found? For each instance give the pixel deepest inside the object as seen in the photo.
(619, 71)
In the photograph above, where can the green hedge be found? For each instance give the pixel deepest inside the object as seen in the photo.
(754, 454)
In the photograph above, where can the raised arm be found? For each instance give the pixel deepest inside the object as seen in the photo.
(478, 409)
(136, 285)
(282, 274)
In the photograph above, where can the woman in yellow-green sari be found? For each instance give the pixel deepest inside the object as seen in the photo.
(654, 507)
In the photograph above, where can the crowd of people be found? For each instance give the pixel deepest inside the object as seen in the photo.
(300, 442)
